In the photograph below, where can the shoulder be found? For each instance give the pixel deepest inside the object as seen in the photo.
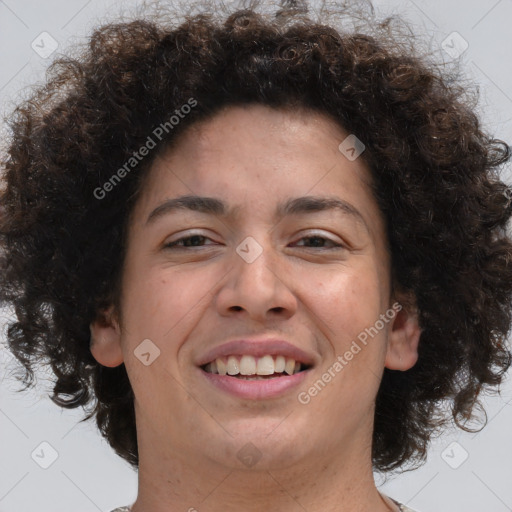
(404, 508)
(401, 507)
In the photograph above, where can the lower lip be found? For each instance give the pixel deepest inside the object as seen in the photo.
(256, 389)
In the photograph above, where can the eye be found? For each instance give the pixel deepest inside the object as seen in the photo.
(187, 241)
(319, 242)
(195, 240)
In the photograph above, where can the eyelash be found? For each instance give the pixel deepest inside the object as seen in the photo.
(174, 245)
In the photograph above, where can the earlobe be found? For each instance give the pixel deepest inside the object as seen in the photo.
(403, 340)
(105, 342)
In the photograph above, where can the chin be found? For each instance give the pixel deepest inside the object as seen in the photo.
(259, 445)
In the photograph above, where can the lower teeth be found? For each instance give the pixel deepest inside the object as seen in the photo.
(256, 377)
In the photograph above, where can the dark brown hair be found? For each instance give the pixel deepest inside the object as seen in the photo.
(435, 178)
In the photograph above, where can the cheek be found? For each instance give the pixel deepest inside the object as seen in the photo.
(347, 301)
(161, 305)
(162, 308)
(165, 298)
(344, 305)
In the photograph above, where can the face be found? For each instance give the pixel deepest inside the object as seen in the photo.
(288, 258)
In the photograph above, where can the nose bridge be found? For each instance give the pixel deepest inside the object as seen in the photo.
(256, 265)
(255, 284)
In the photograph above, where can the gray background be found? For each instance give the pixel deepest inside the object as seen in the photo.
(87, 475)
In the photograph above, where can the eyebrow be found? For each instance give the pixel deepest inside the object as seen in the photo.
(218, 208)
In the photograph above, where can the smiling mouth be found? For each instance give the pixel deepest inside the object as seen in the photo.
(246, 367)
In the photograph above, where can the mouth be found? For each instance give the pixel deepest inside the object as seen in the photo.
(247, 367)
(255, 378)
(256, 368)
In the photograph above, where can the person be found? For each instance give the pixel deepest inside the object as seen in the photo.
(264, 247)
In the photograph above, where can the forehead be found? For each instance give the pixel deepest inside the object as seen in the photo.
(300, 134)
(255, 158)
(255, 147)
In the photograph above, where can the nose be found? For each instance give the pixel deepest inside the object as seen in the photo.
(257, 289)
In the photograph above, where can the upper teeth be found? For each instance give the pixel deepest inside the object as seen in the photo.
(249, 365)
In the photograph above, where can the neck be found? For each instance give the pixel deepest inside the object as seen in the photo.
(173, 482)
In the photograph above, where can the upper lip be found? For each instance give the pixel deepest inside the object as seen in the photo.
(257, 348)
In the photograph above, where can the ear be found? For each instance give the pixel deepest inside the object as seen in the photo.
(105, 344)
(403, 338)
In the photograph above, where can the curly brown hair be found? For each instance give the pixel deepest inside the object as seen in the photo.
(435, 176)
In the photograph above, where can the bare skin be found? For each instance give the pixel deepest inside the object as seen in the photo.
(316, 294)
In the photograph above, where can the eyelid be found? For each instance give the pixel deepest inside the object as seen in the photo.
(186, 234)
(301, 236)
(321, 234)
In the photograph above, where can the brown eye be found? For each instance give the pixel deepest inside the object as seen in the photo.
(188, 241)
(320, 242)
